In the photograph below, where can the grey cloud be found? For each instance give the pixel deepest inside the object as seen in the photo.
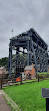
(21, 15)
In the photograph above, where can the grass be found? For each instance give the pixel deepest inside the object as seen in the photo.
(29, 81)
(43, 73)
(28, 96)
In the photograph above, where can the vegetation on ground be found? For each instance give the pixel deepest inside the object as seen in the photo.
(29, 81)
(28, 96)
(43, 73)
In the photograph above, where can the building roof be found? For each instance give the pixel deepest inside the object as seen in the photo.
(29, 67)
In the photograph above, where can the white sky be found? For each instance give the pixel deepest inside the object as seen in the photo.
(21, 15)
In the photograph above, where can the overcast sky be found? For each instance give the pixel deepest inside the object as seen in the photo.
(21, 15)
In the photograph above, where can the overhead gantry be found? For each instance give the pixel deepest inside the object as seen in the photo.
(36, 52)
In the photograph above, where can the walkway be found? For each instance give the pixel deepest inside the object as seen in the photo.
(3, 104)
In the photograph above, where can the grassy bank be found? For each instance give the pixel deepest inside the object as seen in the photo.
(28, 96)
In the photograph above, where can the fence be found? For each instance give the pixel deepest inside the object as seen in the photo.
(42, 77)
(8, 82)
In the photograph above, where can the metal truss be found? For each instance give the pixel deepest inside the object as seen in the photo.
(36, 52)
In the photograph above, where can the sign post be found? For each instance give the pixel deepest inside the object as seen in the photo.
(45, 94)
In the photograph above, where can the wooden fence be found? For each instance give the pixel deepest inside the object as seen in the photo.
(43, 77)
(8, 82)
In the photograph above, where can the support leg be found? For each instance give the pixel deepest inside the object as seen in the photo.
(28, 52)
(47, 104)
(10, 71)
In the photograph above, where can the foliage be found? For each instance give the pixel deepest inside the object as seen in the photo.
(3, 61)
(28, 96)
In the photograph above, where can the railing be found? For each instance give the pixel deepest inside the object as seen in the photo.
(9, 82)
(42, 77)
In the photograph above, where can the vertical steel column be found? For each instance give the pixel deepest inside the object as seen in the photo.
(28, 52)
(41, 56)
(44, 61)
(43, 64)
(37, 55)
(10, 58)
(40, 59)
(37, 51)
(23, 52)
(16, 61)
(17, 54)
(23, 57)
(47, 61)
(34, 54)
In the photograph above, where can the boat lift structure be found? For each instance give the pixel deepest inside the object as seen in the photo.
(36, 52)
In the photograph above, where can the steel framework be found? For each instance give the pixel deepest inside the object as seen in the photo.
(36, 52)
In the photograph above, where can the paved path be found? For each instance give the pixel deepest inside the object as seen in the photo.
(3, 104)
